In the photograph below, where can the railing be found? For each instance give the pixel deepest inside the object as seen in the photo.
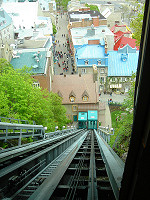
(19, 131)
(106, 133)
(11, 120)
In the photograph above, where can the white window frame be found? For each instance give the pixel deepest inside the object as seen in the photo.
(102, 70)
(99, 62)
(83, 71)
(113, 79)
(86, 62)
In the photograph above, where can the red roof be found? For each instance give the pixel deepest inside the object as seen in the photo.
(113, 28)
(123, 41)
(118, 35)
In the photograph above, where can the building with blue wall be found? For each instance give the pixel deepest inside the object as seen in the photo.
(93, 59)
(121, 65)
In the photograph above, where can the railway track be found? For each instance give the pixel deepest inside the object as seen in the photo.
(80, 171)
(20, 164)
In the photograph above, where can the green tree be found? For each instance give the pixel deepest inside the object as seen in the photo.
(137, 22)
(92, 7)
(19, 99)
(54, 29)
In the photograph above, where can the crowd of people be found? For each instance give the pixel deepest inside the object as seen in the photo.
(62, 52)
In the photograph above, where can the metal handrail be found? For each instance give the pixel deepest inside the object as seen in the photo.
(106, 133)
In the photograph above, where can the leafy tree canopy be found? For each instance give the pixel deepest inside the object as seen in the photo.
(20, 100)
(92, 7)
(54, 29)
(137, 22)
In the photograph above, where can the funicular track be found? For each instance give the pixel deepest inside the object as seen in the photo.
(86, 176)
(86, 169)
(18, 165)
(78, 173)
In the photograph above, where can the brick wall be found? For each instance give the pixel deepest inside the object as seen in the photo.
(44, 79)
(95, 22)
(103, 22)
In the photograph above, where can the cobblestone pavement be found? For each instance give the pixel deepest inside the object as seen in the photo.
(61, 46)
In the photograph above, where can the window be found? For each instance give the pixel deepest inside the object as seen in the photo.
(101, 80)
(102, 71)
(123, 79)
(83, 71)
(72, 99)
(86, 62)
(99, 62)
(74, 108)
(113, 79)
(85, 98)
(116, 22)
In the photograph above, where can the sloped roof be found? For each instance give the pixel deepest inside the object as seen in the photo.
(85, 94)
(30, 57)
(90, 51)
(59, 94)
(122, 67)
(5, 19)
(76, 84)
(78, 15)
(72, 94)
(116, 25)
(106, 12)
(123, 41)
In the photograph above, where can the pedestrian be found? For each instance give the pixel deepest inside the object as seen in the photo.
(63, 45)
(62, 35)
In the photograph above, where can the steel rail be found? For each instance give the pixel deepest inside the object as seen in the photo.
(46, 189)
(19, 150)
(24, 161)
(75, 178)
(92, 190)
(114, 165)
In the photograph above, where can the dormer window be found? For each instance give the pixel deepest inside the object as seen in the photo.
(72, 96)
(72, 99)
(85, 96)
(86, 62)
(99, 62)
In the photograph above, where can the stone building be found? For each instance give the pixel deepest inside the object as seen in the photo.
(93, 59)
(86, 17)
(41, 62)
(78, 92)
(6, 35)
(121, 65)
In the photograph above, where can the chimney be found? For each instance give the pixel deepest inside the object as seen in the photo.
(95, 73)
(95, 21)
(83, 24)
